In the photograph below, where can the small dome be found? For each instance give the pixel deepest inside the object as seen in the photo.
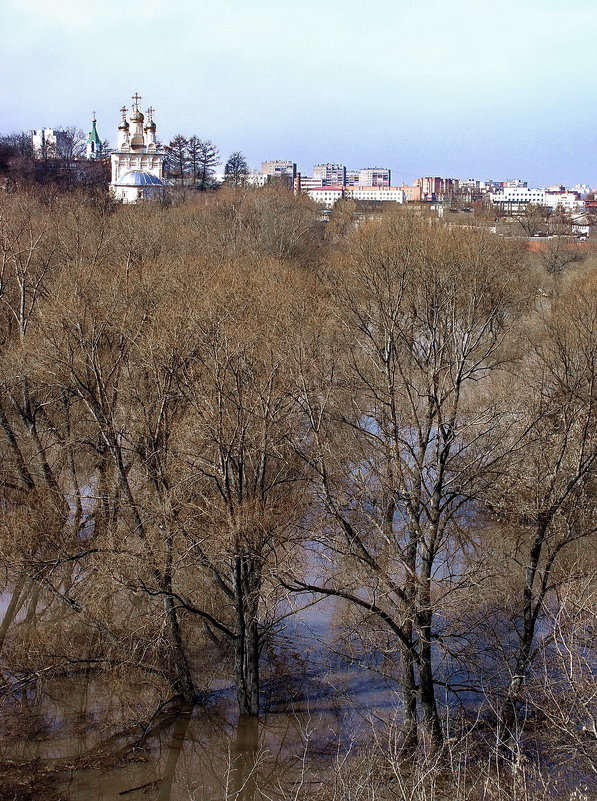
(136, 116)
(138, 178)
(123, 126)
(150, 126)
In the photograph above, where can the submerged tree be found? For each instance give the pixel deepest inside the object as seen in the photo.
(406, 436)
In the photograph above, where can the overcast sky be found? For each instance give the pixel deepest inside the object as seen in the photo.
(461, 88)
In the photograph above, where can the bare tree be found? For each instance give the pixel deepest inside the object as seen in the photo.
(548, 497)
(405, 438)
(236, 170)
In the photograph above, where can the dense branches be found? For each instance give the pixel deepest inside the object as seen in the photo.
(212, 410)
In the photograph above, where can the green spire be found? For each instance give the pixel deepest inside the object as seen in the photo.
(93, 134)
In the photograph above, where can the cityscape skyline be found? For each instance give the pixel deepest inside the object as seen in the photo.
(466, 90)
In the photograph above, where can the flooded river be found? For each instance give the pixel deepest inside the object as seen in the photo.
(97, 741)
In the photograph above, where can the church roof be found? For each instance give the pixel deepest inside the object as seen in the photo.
(93, 134)
(138, 178)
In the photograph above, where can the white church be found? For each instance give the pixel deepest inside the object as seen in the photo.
(137, 164)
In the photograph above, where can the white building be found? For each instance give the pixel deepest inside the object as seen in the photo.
(256, 179)
(511, 197)
(330, 174)
(374, 176)
(279, 169)
(393, 194)
(567, 201)
(328, 195)
(137, 164)
(50, 143)
(514, 197)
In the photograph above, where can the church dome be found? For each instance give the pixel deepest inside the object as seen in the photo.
(137, 116)
(150, 126)
(138, 178)
(124, 126)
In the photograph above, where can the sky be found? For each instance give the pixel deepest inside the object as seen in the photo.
(458, 88)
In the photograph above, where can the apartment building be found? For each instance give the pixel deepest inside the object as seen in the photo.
(50, 143)
(280, 169)
(374, 176)
(434, 188)
(330, 174)
(328, 195)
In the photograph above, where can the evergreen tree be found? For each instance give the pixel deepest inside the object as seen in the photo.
(178, 158)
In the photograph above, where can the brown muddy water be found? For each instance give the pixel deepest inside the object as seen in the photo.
(83, 739)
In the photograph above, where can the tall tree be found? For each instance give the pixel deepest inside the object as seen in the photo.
(236, 170)
(178, 158)
(208, 158)
(404, 435)
(547, 500)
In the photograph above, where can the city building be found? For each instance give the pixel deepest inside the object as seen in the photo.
(50, 143)
(280, 169)
(394, 194)
(512, 198)
(328, 195)
(565, 201)
(412, 194)
(137, 163)
(374, 176)
(514, 182)
(308, 182)
(351, 178)
(330, 174)
(433, 188)
(93, 148)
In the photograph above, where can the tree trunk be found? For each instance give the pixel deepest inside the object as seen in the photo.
(182, 680)
(508, 717)
(246, 643)
(429, 711)
(409, 696)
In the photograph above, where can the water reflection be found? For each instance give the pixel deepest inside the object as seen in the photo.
(102, 741)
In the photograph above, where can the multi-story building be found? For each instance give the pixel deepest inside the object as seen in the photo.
(514, 182)
(374, 176)
(377, 193)
(412, 194)
(437, 188)
(309, 182)
(511, 197)
(514, 198)
(50, 143)
(330, 174)
(566, 201)
(328, 195)
(280, 169)
(352, 178)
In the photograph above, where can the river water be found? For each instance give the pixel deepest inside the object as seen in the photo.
(98, 741)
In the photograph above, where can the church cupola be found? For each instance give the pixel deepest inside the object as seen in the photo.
(136, 120)
(149, 130)
(123, 129)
